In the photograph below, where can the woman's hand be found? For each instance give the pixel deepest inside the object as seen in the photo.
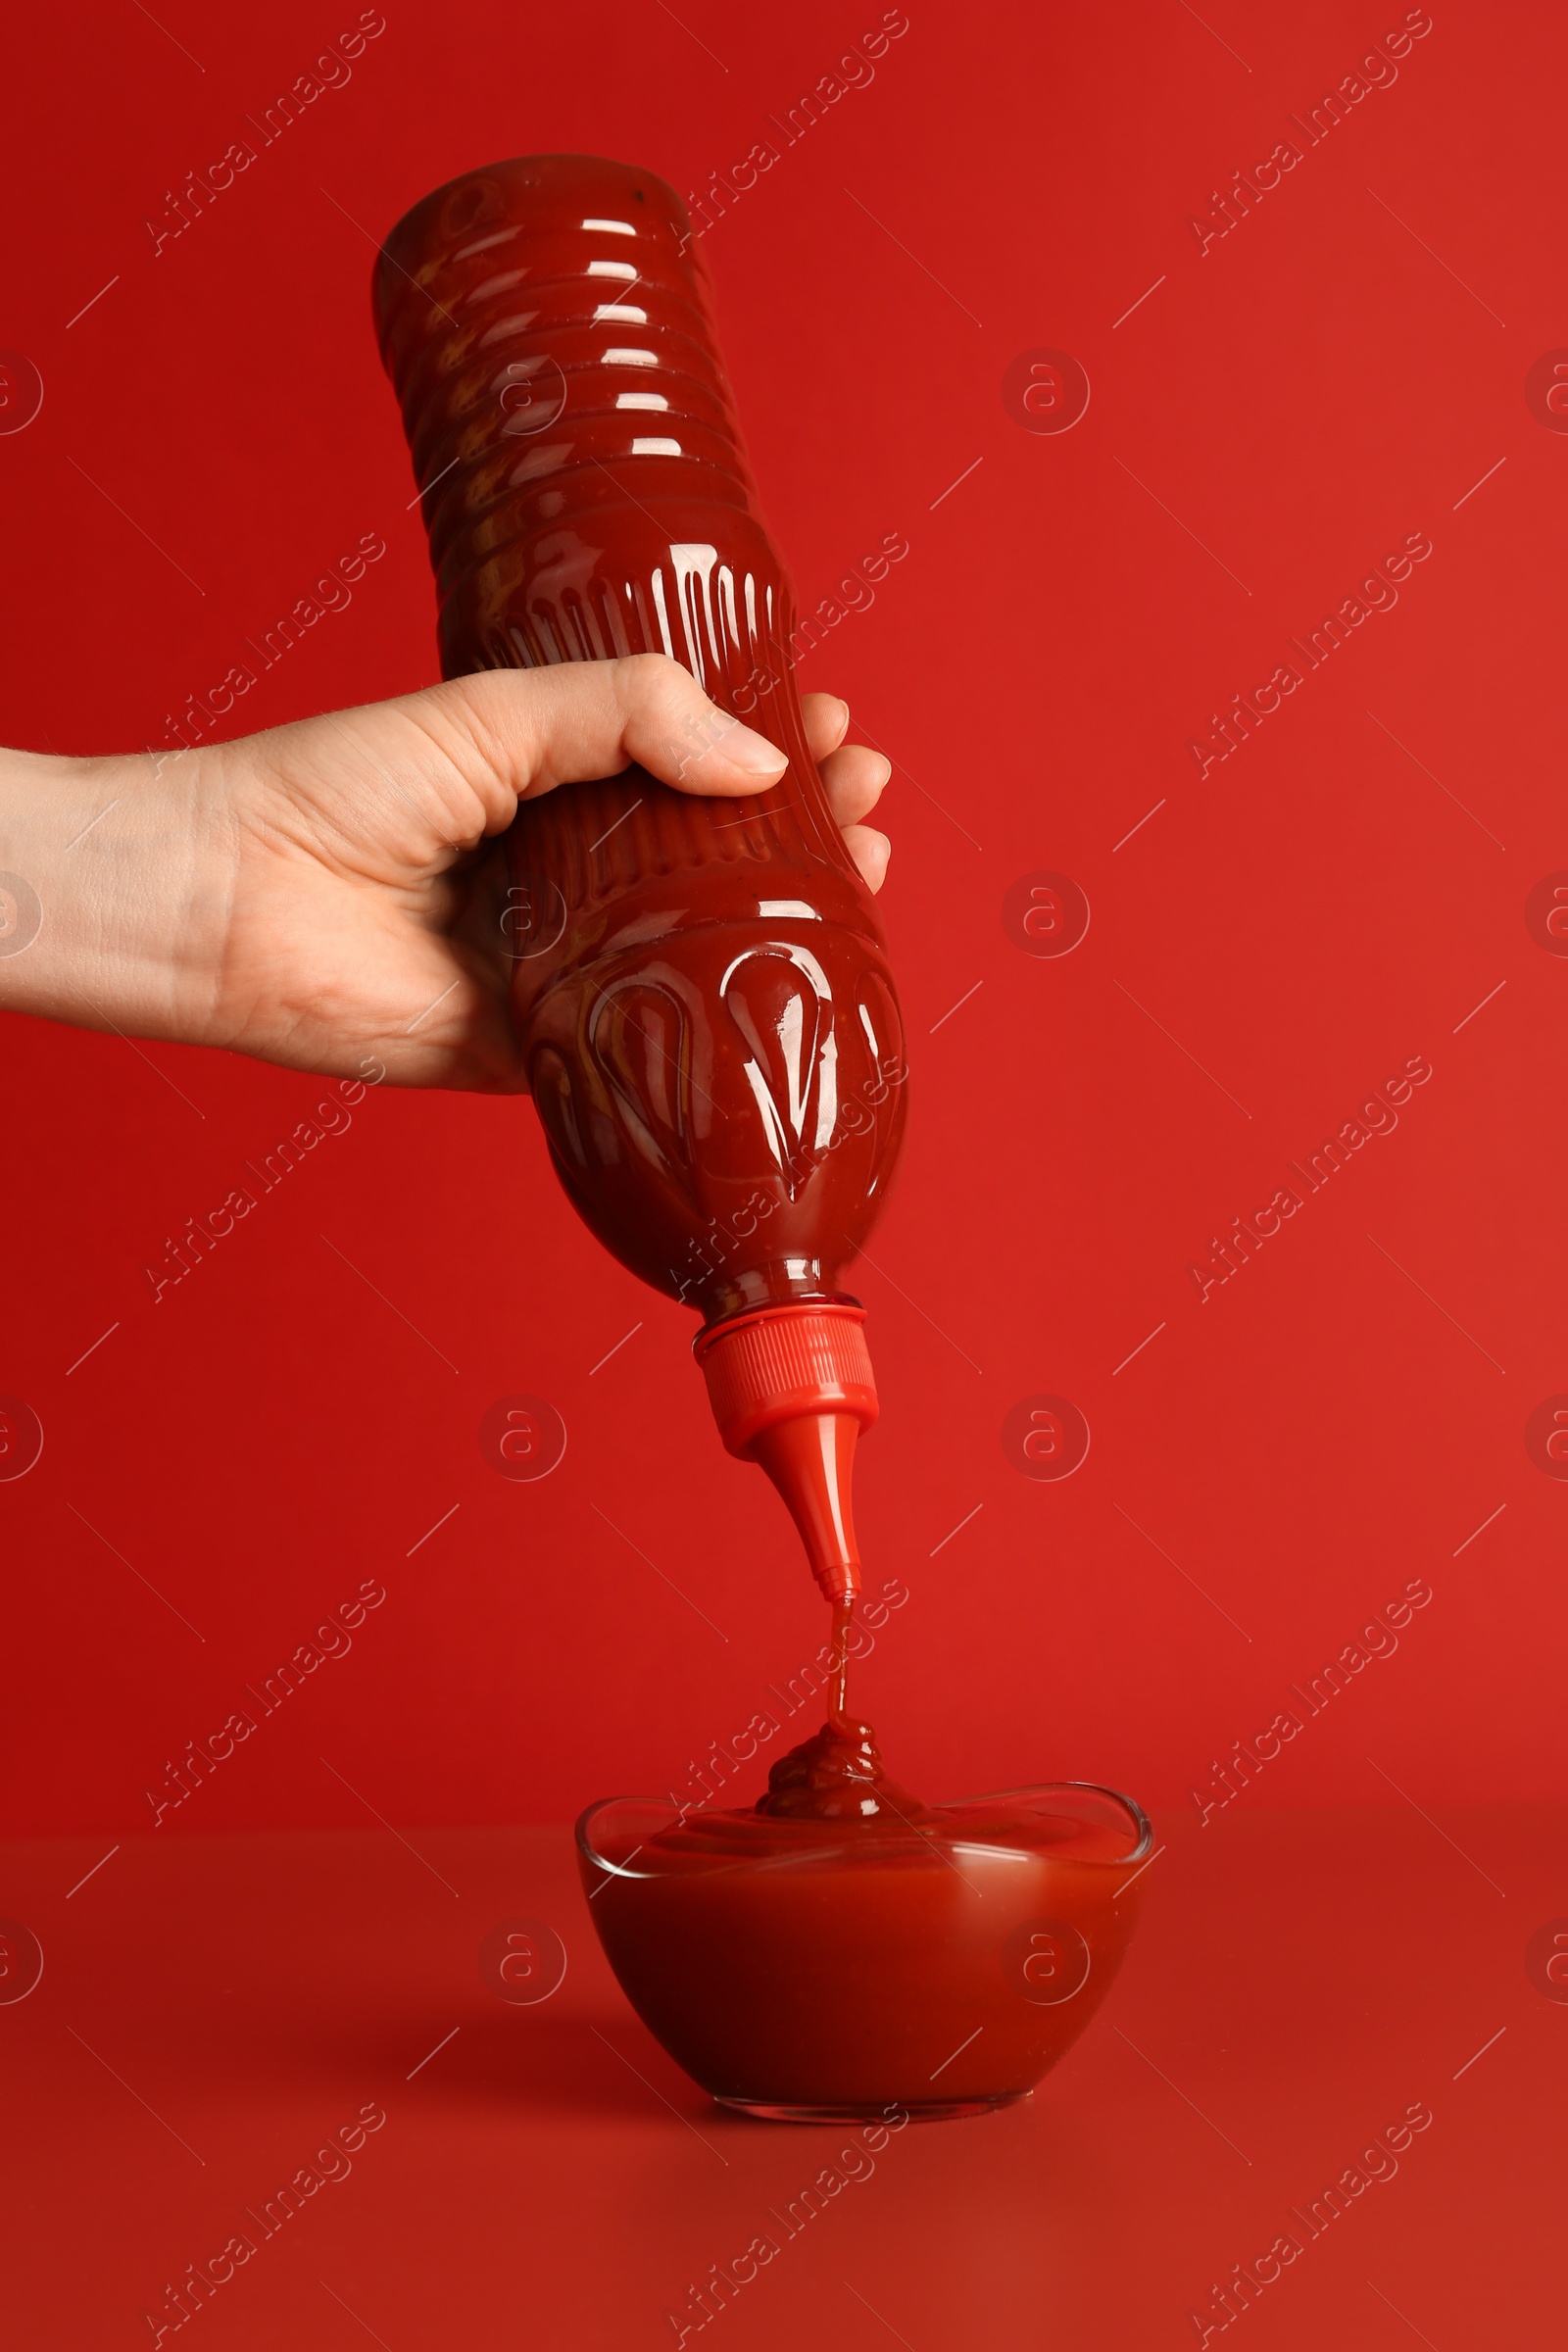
(334, 889)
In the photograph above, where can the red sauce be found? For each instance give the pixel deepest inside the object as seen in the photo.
(844, 1946)
(836, 1776)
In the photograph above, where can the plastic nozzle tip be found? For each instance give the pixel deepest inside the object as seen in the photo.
(811, 1460)
(792, 1389)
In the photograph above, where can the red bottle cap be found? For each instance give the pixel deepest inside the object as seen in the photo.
(792, 1389)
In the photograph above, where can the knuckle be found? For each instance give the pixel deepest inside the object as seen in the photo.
(650, 673)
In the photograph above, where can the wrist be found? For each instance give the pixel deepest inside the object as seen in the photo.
(111, 904)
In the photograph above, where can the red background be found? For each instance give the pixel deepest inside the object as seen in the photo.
(1323, 381)
(1338, 1420)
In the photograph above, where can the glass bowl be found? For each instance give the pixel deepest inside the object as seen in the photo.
(936, 1968)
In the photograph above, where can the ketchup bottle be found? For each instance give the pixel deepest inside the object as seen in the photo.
(700, 986)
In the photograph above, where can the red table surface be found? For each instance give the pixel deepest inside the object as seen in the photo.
(211, 2009)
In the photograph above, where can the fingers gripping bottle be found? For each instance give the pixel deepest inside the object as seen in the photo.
(700, 986)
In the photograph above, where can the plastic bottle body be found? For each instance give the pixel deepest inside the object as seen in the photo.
(701, 987)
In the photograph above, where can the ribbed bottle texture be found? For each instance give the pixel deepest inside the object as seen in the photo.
(586, 491)
(785, 1361)
(700, 986)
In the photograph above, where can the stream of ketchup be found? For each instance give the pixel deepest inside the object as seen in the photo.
(836, 1776)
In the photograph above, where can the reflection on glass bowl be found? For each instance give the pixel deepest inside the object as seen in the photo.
(804, 1971)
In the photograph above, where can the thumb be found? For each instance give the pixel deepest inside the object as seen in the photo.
(582, 720)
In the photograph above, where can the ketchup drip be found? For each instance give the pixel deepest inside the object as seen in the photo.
(837, 1775)
(839, 1682)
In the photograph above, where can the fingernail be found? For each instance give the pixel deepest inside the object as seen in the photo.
(752, 752)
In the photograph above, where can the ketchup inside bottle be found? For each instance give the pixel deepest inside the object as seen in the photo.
(701, 987)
